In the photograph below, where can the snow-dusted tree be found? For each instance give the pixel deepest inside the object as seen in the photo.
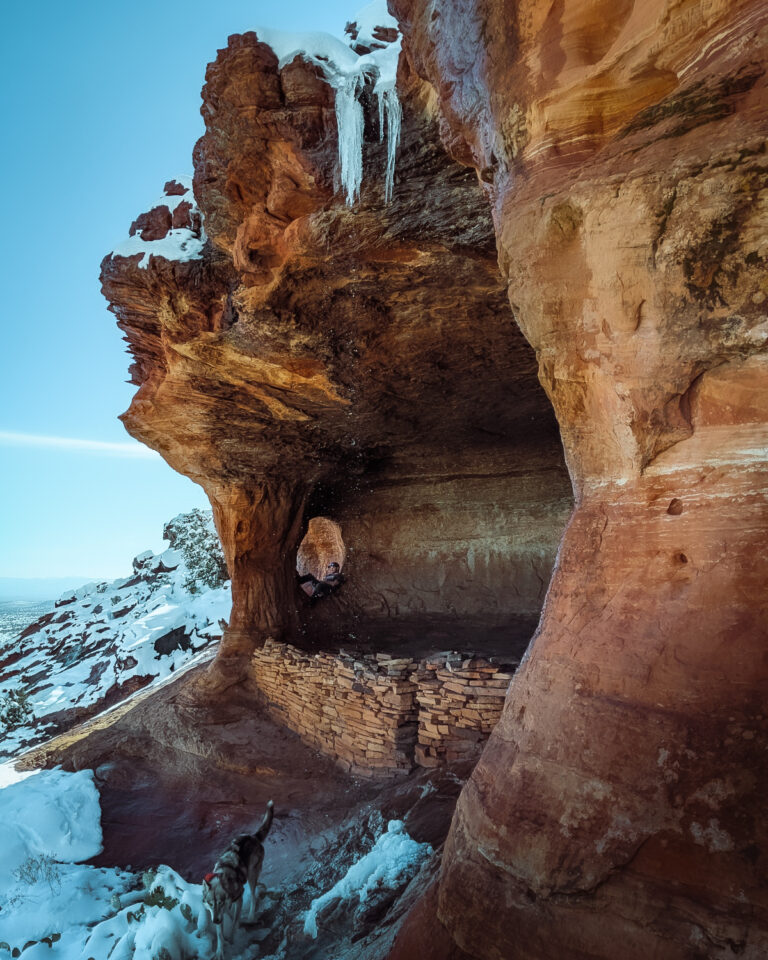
(194, 536)
(14, 709)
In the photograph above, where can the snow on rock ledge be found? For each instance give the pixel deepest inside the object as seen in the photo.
(394, 859)
(370, 56)
(172, 228)
(105, 640)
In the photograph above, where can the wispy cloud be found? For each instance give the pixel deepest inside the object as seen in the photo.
(131, 449)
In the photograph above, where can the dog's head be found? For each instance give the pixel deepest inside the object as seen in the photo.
(214, 897)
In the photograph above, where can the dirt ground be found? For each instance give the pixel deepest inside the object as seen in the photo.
(415, 637)
(179, 776)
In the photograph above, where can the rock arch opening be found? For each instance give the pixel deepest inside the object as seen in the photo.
(450, 538)
(322, 545)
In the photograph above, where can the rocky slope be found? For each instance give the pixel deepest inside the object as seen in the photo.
(372, 363)
(104, 641)
(178, 777)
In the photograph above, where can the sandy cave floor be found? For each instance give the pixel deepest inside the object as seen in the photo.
(415, 637)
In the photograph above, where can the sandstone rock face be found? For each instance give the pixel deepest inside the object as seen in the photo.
(361, 364)
(365, 365)
(620, 798)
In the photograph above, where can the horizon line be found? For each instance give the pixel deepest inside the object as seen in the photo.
(111, 448)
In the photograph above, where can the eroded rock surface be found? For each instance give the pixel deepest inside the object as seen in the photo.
(365, 364)
(358, 363)
(623, 147)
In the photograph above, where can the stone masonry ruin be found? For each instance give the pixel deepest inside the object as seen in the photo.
(380, 715)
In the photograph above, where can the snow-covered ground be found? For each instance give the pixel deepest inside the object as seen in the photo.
(15, 615)
(54, 906)
(104, 640)
(394, 858)
(65, 910)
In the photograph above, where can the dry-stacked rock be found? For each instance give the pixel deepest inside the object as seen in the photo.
(460, 701)
(379, 714)
(360, 711)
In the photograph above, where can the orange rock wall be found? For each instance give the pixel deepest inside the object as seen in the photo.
(323, 360)
(623, 146)
(467, 536)
(618, 153)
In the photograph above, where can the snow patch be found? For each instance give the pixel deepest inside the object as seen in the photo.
(370, 17)
(180, 244)
(393, 858)
(52, 906)
(712, 836)
(102, 635)
(51, 813)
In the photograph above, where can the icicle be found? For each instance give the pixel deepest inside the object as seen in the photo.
(380, 101)
(389, 104)
(349, 120)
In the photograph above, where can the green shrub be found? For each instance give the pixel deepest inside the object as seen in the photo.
(159, 898)
(15, 709)
(194, 536)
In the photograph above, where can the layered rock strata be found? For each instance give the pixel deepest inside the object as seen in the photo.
(620, 798)
(357, 363)
(312, 351)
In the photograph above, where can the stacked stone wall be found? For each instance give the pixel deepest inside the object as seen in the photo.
(360, 712)
(380, 715)
(460, 702)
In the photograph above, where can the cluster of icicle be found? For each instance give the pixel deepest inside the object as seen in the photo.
(348, 74)
(350, 122)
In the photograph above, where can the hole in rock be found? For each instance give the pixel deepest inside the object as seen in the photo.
(321, 547)
(675, 507)
(681, 558)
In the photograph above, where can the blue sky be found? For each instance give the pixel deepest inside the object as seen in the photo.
(100, 106)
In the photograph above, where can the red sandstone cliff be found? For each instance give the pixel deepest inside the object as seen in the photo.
(317, 358)
(364, 363)
(618, 808)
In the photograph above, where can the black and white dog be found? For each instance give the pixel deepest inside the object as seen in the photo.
(223, 889)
